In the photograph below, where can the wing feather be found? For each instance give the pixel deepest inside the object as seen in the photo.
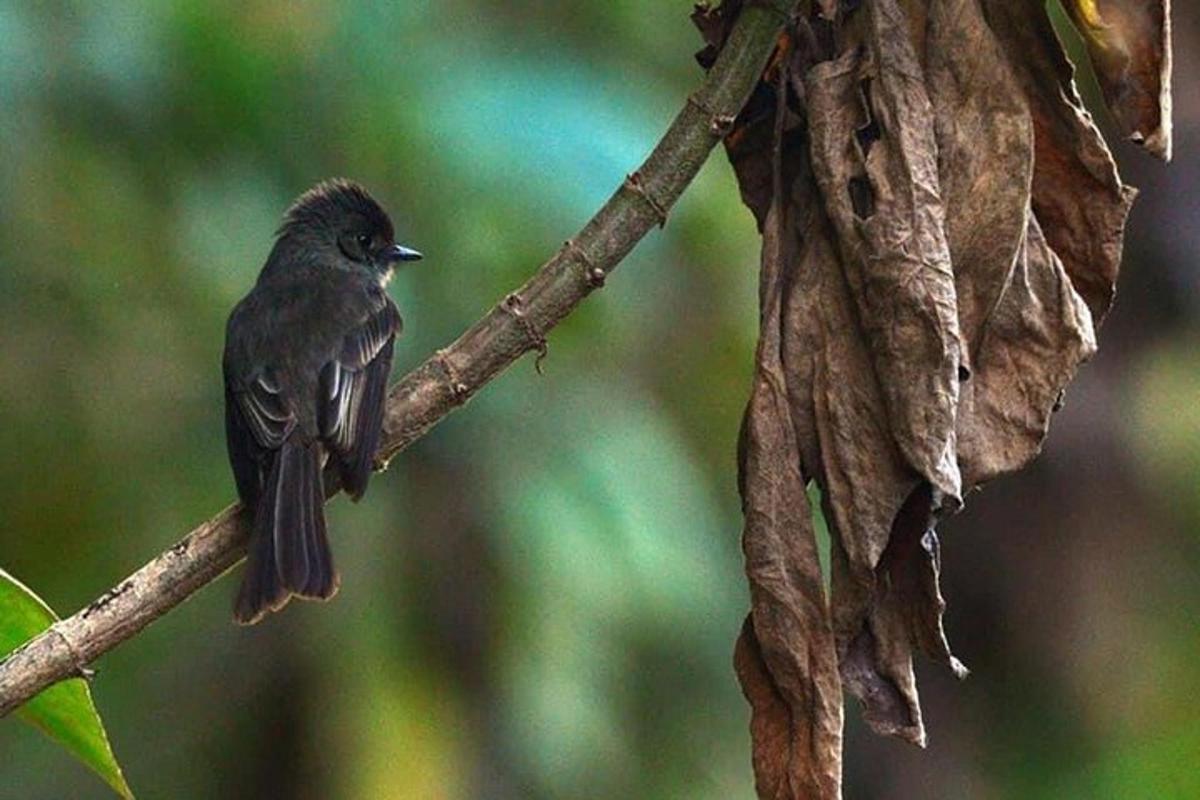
(266, 410)
(245, 454)
(355, 383)
(257, 421)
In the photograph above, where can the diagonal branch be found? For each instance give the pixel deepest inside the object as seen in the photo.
(446, 380)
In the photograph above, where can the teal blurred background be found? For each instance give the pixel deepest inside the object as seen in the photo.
(540, 598)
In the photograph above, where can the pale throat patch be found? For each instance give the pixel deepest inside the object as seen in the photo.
(386, 278)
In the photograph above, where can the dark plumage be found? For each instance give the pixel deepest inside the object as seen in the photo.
(307, 357)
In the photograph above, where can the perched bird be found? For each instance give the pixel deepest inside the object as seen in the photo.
(307, 357)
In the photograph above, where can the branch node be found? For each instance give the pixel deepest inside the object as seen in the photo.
(719, 125)
(595, 275)
(633, 182)
(458, 388)
(537, 340)
(78, 665)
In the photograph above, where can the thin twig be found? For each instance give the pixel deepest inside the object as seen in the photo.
(448, 379)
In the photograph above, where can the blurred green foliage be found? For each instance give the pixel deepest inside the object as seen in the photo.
(540, 598)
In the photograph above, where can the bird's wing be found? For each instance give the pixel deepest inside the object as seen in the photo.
(257, 420)
(353, 390)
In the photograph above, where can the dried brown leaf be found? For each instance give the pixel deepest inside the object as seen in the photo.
(1129, 43)
(770, 716)
(875, 156)
(1078, 197)
(875, 160)
(714, 24)
(844, 433)
(1025, 326)
(942, 227)
(790, 623)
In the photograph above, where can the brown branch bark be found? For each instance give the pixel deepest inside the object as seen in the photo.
(446, 380)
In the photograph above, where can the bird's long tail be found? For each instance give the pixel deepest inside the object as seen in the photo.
(289, 551)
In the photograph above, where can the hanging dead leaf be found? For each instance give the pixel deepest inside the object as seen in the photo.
(1025, 326)
(875, 160)
(942, 229)
(1077, 195)
(786, 660)
(1129, 43)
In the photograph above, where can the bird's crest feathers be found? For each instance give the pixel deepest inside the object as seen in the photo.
(329, 202)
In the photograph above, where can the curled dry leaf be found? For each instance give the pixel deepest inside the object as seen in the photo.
(1129, 43)
(942, 228)
(1077, 195)
(881, 193)
(870, 125)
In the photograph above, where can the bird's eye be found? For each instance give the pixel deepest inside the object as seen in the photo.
(364, 241)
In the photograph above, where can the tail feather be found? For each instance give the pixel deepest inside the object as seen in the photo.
(323, 579)
(289, 551)
(261, 589)
(293, 516)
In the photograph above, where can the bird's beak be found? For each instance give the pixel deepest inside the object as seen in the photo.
(399, 252)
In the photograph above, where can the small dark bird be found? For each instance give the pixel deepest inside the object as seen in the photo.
(307, 357)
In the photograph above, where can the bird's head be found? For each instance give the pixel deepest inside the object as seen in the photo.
(338, 220)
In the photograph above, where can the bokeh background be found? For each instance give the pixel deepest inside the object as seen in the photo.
(539, 598)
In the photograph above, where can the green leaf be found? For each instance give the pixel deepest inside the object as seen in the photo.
(65, 711)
